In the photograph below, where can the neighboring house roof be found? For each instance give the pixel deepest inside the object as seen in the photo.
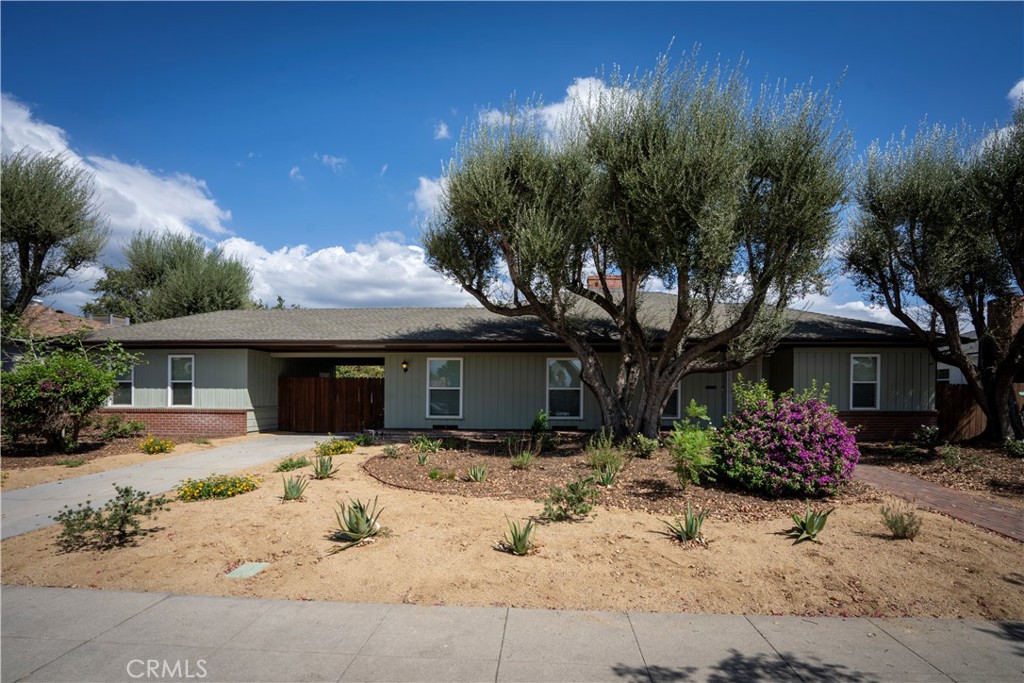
(43, 321)
(410, 328)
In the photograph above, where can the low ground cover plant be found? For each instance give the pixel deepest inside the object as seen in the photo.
(358, 523)
(392, 451)
(115, 524)
(808, 526)
(518, 540)
(575, 499)
(902, 520)
(289, 464)
(437, 474)
(217, 486)
(523, 461)
(789, 445)
(333, 446)
(1014, 447)
(363, 439)
(116, 427)
(71, 462)
(153, 445)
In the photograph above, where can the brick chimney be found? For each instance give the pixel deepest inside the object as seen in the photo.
(614, 283)
(1005, 316)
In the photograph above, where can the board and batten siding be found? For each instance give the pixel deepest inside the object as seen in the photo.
(907, 376)
(219, 378)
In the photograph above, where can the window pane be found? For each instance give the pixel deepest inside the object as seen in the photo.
(444, 402)
(864, 395)
(865, 369)
(122, 395)
(564, 403)
(446, 373)
(181, 394)
(672, 407)
(564, 374)
(181, 369)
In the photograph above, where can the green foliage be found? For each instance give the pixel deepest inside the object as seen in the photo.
(116, 427)
(363, 439)
(391, 451)
(643, 447)
(153, 445)
(171, 275)
(541, 438)
(477, 473)
(927, 436)
(523, 461)
(904, 451)
(294, 487)
(71, 462)
(50, 225)
(808, 526)
(53, 392)
(201, 441)
(689, 444)
(114, 525)
(951, 455)
(439, 474)
(217, 486)
(607, 474)
(686, 530)
(334, 446)
(1014, 448)
(289, 464)
(422, 458)
(576, 499)
(357, 523)
(422, 444)
(359, 371)
(902, 520)
(323, 467)
(518, 540)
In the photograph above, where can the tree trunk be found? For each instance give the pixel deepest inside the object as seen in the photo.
(1005, 420)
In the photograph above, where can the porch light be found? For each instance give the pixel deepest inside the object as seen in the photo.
(405, 366)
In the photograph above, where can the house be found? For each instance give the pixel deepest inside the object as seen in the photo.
(233, 372)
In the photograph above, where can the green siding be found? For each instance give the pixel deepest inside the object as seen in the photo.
(219, 377)
(907, 376)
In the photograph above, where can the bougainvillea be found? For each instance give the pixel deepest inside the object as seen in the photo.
(790, 445)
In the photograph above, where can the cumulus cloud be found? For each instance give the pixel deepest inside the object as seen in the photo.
(295, 173)
(1016, 92)
(842, 305)
(132, 196)
(384, 272)
(428, 193)
(582, 95)
(441, 131)
(332, 162)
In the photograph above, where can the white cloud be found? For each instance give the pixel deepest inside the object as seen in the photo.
(132, 196)
(1016, 92)
(383, 170)
(295, 173)
(331, 161)
(386, 272)
(584, 94)
(856, 309)
(427, 195)
(441, 131)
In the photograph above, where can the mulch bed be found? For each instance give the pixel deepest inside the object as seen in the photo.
(647, 485)
(987, 470)
(28, 453)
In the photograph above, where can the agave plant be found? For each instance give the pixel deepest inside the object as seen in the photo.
(323, 467)
(357, 522)
(518, 540)
(422, 458)
(686, 529)
(607, 474)
(477, 473)
(294, 487)
(810, 525)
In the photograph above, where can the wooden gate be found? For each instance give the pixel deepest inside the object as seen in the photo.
(960, 417)
(326, 404)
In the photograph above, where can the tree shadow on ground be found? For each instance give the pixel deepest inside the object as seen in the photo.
(759, 668)
(1012, 631)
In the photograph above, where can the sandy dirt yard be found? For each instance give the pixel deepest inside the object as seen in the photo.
(440, 550)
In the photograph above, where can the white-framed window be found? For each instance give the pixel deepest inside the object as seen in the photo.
(564, 389)
(444, 387)
(942, 375)
(124, 394)
(671, 411)
(865, 381)
(181, 372)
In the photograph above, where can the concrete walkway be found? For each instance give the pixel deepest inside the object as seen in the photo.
(56, 634)
(23, 510)
(988, 514)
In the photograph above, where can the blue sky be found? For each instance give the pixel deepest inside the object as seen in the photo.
(308, 138)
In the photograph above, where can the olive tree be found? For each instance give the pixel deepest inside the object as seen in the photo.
(677, 175)
(50, 224)
(939, 235)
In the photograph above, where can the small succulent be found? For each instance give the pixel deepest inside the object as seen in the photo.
(518, 540)
(810, 524)
(357, 522)
(687, 530)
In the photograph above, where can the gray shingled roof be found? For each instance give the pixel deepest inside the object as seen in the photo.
(391, 327)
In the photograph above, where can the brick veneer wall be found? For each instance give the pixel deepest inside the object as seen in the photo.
(195, 422)
(887, 425)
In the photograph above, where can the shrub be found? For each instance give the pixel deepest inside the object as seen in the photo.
(437, 474)
(1014, 447)
(809, 525)
(518, 540)
(523, 461)
(392, 451)
(902, 520)
(357, 523)
(53, 393)
(477, 473)
(686, 530)
(153, 445)
(689, 443)
(541, 439)
(294, 487)
(71, 462)
(114, 525)
(601, 459)
(950, 455)
(575, 500)
(323, 467)
(904, 451)
(643, 446)
(927, 436)
(289, 464)
(363, 439)
(793, 445)
(217, 486)
(116, 427)
(333, 446)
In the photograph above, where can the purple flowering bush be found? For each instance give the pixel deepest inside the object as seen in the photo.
(790, 445)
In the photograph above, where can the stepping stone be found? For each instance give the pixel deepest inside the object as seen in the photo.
(248, 570)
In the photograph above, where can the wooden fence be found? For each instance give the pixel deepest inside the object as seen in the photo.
(326, 404)
(960, 417)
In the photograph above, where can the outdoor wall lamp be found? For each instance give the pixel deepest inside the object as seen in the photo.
(405, 366)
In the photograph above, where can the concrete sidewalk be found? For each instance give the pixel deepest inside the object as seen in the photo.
(52, 634)
(23, 510)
